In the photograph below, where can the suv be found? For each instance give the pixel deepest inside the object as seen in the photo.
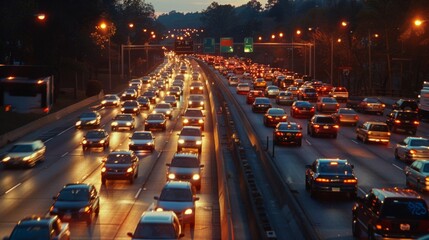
(76, 201)
(403, 119)
(25, 154)
(339, 93)
(322, 125)
(89, 119)
(194, 117)
(308, 93)
(405, 104)
(158, 225)
(190, 137)
(373, 132)
(120, 164)
(390, 213)
(179, 197)
(185, 167)
(37, 227)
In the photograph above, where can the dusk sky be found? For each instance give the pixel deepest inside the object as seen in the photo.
(166, 6)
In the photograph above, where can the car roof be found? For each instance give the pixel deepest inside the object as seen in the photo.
(177, 184)
(157, 217)
(77, 185)
(185, 154)
(376, 123)
(327, 160)
(36, 220)
(383, 193)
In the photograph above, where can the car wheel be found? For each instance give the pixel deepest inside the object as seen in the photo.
(137, 174)
(355, 228)
(313, 192)
(97, 210)
(307, 185)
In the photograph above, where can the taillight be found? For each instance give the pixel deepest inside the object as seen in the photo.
(316, 126)
(299, 134)
(416, 122)
(397, 121)
(323, 180)
(350, 181)
(336, 126)
(341, 116)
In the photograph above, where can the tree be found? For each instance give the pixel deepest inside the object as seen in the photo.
(219, 20)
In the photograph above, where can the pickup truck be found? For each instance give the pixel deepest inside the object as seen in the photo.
(353, 101)
(36, 227)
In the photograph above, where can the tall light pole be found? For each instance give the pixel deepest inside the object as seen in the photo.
(105, 28)
(130, 26)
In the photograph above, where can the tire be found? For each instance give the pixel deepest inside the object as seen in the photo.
(137, 174)
(313, 192)
(307, 185)
(97, 210)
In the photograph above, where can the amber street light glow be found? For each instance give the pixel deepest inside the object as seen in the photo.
(131, 25)
(103, 25)
(344, 23)
(41, 16)
(298, 32)
(418, 22)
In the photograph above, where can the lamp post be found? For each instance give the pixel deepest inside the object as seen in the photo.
(130, 26)
(104, 27)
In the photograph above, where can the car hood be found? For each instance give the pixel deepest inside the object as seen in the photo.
(141, 141)
(70, 204)
(184, 170)
(190, 138)
(175, 206)
(18, 155)
(94, 139)
(117, 166)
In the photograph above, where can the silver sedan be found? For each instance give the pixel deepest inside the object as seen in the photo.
(416, 175)
(412, 148)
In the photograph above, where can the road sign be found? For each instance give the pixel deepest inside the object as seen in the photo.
(184, 46)
(209, 45)
(248, 45)
(226, 45)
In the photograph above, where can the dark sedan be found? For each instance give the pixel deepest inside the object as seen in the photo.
(302, 109)
(261, 105)
(331, 176)
(287, 133)
(155, 121)
(322, 125)
(274, 116)
(151, 95)
(130, 106)
(96, 138)
(144, 103)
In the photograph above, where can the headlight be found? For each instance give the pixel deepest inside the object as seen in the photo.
(78, 123)
(196, 176)
(201, 121)
(181, 141)
(84, 141)
(131, 143)
(85, 209)
(102, 141)
(201, 103)
(154, 111)
(26, 158)
(103, 169)
(171, 176)
(192, 88)
(198, 142)
(130, 169)
(190, 102)
(128, 124)
(122, 109)
(188, 211)
(201, 88)
(185, 120)
(134, 109)
(168, 112)
(159, 209)
(6, 159)
(114, 124)
(103, 102)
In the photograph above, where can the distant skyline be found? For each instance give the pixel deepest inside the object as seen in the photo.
(185, 6)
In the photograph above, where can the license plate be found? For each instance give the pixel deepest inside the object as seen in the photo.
(405, 227)
(325, 127)
(335, 189)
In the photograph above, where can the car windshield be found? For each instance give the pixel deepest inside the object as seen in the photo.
(193, 113)
(170, 98)
(186, 162)
(110, 97)
(310, 90)
(143, 99)
(330, 168)
(346, 111)
(154, 231)
(404, 209)
(372, 100)
(303, 104)
(118, 158)
(262, 101)
(196, 98)
(87, 115)
(163, 105)
(379, 128)
(329, 100)
(149, 94)
(407, 115)
(130, 104)
(35, 232)
(73, 194)
(155, 117)
(325, 120)
(124, 117)
(276, 111)
(142, 135)
(288, 127)
(419, 142)
(95, 134)
(176, 195)
(21, 148)
(191, 132)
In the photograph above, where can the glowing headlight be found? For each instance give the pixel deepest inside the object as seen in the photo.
(201, 121)
(27, 158)
(103, 169)
(188, 211)
(192, 88)
(190, 102)
(6, 159)
(84, 142)
(114, 124)
(159, 209)
(128, 124)
(130, 169)
(201, 103)
(198, 142)
(171, 176)
(154, 111)
(185, 120)
(103, 102)
(181, 141)
(168, 112)
(122, 109)
(196, 176)
(78, 123)
(134, 109)
(102, 141)
(201, 88)
(85, 209)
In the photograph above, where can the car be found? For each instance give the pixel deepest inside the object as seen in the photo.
(294, 90)
(233, 81)
(194, 117)
(372, 131)
(346, 116)
(404, 120)
(388, 213)
(129, 94)
(130, 106)
(160, 84)
(196, 76)
(261, 105)
(259, 84)
(412, 149)
(146, 79)
(308, 94)
(302, 109)
(285, 98)
(327, 105)
(151, 95)
(157, 225)
(322, 125)
(170, 99)
(371, 105)
(179, 197)
(174, 91)
(96, 138)
(185, 167)
(416, 175)
(154, 89)
(144, 103)
(196, 101)
(142, 140)
(274, 116)
(155, 121)
(164, 108)
(178, 83)
(196, 88)
(135, 86)
(121, 121)
(272, 91)
(325, 89)
(40, 227)
(90, 119)
(137, 81)
(120, 164)
(331, 175)
(25, 153)
(242, 88)
(111, 100)
(287, 133)
(252, 94)
(190, 138)
(339, 93)
(76, 201)
(406, 104)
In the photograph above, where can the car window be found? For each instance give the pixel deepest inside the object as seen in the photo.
(118, 158)
(142, 135)
(94, 134)
(194, 113)
(288, 127)
(185, 162)
(379, 128)
(155, 117)
(73, 194)
(419, 142)
(21, 148)
(190, 132)
(340, 168)
(176, 195)
(123, 117)
(407, 115)
(87, 115)
(154, 231)
(36, 232)
(325, 120)
(276, 111)
(405, 209)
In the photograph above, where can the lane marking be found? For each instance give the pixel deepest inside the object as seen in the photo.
(65, 154)
(65, 130)
(138, 193)
(361, 190)
(398, 167)
(47, 140)
(308, 142)
(356, 142)
(10, 190)
(84, 177)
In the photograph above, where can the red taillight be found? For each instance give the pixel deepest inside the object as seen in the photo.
(312, 109)
(316, 126)
(341, 116)
(350, 181)
(279, 133)
(299, 134)
(416, 122)
(357, 117)
(323, 180)
(397, 121)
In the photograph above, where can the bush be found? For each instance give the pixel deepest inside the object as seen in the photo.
(93, 87)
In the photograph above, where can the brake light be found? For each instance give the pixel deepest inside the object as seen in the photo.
(350, 181)
(322, 180)
(279, 133)
(299, 134)
(416, 122)
(357, 117)
(397, 121)
(312, 109)
(316, 126)
(341, 116)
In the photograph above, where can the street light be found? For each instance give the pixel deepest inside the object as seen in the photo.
(105, 28)
(130, 26)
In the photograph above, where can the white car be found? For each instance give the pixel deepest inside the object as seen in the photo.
(165, 108)
(242, 88)
(142, 140)
(123, 121)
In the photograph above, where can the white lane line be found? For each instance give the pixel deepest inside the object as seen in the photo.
(138, 193)
(10, 190)
(65, 130)
(151, 207)
(398, 167)
(355, 141)
(308, 142)
(65, 154)
(361, 190)
(47, 140)
(84, 177)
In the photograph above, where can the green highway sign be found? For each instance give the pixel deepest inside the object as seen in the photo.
(209, 45)
(226, 45)
(248, 45)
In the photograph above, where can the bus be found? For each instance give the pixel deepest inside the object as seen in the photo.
(27, 95)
